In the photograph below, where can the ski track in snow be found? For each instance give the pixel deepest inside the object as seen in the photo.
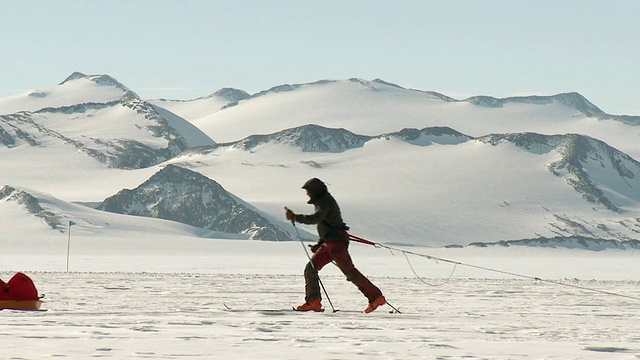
(182, 316)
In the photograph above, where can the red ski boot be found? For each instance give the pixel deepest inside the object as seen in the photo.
(375, 304)
(312, 305)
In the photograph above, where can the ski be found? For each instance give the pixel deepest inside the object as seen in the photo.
(228, 308)
(285, 310)
(293, 309)
(296, 310)
(268, 311)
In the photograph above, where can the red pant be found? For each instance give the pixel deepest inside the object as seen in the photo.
(338, 252)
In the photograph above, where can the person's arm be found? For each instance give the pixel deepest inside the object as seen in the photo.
(315, 218)
(322, 210)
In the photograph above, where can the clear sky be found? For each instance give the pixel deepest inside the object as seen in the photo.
(187, 49)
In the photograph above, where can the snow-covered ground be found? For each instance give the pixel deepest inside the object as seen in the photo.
(182, 316)
(168, 302)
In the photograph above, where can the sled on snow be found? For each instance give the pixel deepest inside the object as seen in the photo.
(19, 293)
(28, 305)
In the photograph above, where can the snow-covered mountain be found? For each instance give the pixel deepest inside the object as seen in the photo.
(315, 138)
(99, 117)
(590, 166)
(377, 107)
(185, 196)
(444, 185)
(407, 166)
(197, 108)
(75, 89)
(39, 218)
(31, 205)
(309, 138)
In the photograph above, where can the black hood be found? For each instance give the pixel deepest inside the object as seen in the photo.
(316, 189)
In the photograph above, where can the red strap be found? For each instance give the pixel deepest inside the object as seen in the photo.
(361, 240)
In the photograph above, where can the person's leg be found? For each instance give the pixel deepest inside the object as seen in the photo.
(340, 254)
(312, 284)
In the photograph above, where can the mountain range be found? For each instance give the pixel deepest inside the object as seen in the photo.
(407, 166)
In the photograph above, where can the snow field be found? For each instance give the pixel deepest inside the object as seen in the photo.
(182, 315)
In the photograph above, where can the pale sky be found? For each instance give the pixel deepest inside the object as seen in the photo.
(187, 49)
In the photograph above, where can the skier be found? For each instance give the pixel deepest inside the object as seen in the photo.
(332, 246)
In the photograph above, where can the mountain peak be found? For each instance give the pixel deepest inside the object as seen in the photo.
(310, 138)
(75, 76)
(380, 81)
(364, 83)
(182, 195)
(31, 204)
(430, 135)
(102, 79)
(231, 94)
(579, 102)
(572, 99)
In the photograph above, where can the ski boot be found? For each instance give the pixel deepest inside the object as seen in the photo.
(375, 304)
(311, 305)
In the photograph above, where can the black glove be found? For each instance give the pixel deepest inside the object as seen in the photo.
(315, 247)
(289, 215)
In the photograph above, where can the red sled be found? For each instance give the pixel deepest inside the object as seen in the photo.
(19, 294)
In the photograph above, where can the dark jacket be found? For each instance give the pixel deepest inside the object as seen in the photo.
(327, 214)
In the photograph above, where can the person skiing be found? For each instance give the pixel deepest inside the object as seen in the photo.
(333, 245)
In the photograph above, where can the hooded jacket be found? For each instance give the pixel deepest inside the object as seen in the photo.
(327, 214)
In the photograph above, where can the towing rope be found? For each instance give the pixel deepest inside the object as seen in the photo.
(421, 279)
(435, 258)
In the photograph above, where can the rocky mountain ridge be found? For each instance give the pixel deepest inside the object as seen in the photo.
(31, 205)
(185, 196)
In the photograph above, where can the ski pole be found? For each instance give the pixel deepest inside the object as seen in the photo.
(312, 264)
